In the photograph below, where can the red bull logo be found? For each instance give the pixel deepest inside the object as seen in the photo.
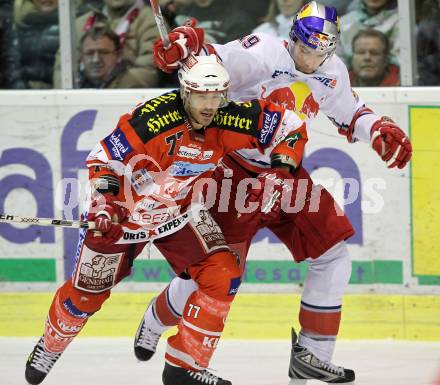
(297, 97)
(310, 107)
(284, 97)
(319, 40)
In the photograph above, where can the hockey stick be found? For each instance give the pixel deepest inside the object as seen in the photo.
(7, 218)
(273, 199)
(160, 22)
(130, 236)
(190, 60)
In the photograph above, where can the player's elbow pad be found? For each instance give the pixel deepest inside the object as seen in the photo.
(283, 161)
(107, 184)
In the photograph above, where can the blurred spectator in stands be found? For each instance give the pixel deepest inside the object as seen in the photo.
(278, 20)
(84, 6)
(381, 15)
(36, 23)
(222, 20)
(134, 23)
(370, 63)
(10, 75)
(256, 9)
(428, 43)
(170, 9)
(343, 6)
(101, 61)
(5, 34)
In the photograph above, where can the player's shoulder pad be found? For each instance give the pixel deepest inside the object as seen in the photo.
(335, 68)
(266, 43)
(239, 117)
(157, 115)
(268, 38)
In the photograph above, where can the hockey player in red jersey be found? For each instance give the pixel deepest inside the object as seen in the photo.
(302, 74)
(145, 176)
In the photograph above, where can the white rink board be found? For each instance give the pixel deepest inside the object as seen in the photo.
(41, 123)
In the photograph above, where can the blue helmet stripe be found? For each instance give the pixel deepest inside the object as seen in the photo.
(314, 23)
(331, 14)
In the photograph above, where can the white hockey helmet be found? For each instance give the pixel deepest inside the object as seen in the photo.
(203, 74)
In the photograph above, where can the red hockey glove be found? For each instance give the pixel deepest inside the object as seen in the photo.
(391, 143)
(107, 215)
(184, 41)
(267, 196)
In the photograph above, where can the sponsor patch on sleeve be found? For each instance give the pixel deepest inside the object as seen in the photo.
(235, 284)
(271, 121)
(292, 139)
(117, 145)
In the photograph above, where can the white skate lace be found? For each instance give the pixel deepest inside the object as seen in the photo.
(148, 339)
(42, 360)
(204, 377)
(328, 366)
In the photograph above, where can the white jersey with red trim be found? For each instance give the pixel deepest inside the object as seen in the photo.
(260, 66)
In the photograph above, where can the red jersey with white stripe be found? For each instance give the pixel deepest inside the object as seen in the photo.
(158, 157)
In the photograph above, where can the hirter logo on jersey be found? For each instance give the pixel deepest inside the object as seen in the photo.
(117, 144)
(271, 122)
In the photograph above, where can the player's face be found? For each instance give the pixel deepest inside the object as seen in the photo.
(307, 60)
(203, 106)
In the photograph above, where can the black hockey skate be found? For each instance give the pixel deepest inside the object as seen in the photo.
(304, 366)
(174, 375)
(39, 363)
(145, 341)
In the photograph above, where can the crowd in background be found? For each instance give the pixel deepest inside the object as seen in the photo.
(114, 38)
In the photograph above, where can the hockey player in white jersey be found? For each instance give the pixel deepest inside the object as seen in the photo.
(306, 76)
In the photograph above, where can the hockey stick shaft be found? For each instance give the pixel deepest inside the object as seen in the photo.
(160, 22)
(140, 235)
(269, 205)
(7, 218)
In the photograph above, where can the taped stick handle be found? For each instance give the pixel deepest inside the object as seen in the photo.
(7, 218)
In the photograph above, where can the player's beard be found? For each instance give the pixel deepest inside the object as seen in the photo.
(195, 123)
